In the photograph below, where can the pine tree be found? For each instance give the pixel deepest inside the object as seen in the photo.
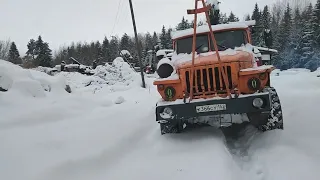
(105, 50)
(44, 57)
(114, 48)
(282, 60)
(184, 24)
(295, 39)
(223, 18)
(266, 18)
(149, 41)
(163, 38)
(256, 13)
(14, 55)
(98, 52)
(307, 39)
(316, 24)
(247, 17)
(265, 23)
(168, 39)
(214, 17)
(258, 32)
(124, 43)
(32, 49)
(285, 28)
(155, 39)
(232, 18)
(274, 27)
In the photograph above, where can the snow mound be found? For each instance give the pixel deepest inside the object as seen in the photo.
(119, 100)
(119, 73)
(107, 78)
(15, 79)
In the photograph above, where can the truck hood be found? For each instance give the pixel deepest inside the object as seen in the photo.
(211, 58)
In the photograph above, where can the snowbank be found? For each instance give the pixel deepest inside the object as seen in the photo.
(107, 78)
(15, 79)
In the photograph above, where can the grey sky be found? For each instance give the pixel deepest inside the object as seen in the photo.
(63, 21)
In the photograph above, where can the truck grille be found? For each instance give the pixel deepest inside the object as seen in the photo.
(208, 81)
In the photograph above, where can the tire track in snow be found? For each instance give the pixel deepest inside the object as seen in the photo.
(238, 140)
(87, 167)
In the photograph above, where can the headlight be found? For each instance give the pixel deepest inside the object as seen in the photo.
(167, 113)
(257, 102)
(254, 84)
(170, 92)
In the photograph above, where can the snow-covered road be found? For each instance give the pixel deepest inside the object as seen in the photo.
(86, 136)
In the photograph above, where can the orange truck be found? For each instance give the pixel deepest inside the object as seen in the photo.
(213, 77)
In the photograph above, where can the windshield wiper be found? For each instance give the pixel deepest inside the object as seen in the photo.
(222, 46)
(199, 47)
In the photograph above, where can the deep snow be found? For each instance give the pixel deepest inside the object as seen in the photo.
(89, 135)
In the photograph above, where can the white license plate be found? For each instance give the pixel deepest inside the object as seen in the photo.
(210, 108)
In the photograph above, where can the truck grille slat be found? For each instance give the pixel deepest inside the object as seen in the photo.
(208, 80)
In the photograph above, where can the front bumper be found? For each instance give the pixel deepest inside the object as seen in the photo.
(196, 108)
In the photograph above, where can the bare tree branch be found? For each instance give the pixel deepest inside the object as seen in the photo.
(4, 49)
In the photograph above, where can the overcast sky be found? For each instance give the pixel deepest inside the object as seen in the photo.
(60, 22)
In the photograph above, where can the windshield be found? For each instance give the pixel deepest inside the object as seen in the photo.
(225, 40)
(230, 39)
(185, 45)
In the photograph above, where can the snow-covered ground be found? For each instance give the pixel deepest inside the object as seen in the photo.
(108, 131)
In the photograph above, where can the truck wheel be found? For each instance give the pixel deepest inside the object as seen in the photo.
(171, 128)
(272, 120)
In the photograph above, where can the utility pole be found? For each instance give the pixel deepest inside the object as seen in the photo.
(137, 44)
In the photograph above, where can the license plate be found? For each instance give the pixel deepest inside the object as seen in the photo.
(210, 108)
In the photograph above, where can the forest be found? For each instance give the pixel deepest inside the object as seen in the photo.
(294, 26)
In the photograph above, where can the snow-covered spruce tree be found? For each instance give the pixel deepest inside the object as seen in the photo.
(14, 55)
(32, 49)
(307, 38)
(168, 39)
(105, 48)
(99, 54)
(155, 39)
(163, 38)
(247, 17)
(148, 41)
(215, 17)
(282, 43)
(124, 43)
(114, 48)
(223, 18)
(265, 23)
(295, 40)
(257, 36)
(184, 24)
(44, 55)
(316, 24)
(232, 17)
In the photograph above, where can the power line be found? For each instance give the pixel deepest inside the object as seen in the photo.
(116, 20)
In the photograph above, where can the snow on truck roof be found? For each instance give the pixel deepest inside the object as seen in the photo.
(219, 27)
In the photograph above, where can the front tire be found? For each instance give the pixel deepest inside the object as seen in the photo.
(273, 119)
(171, 128)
